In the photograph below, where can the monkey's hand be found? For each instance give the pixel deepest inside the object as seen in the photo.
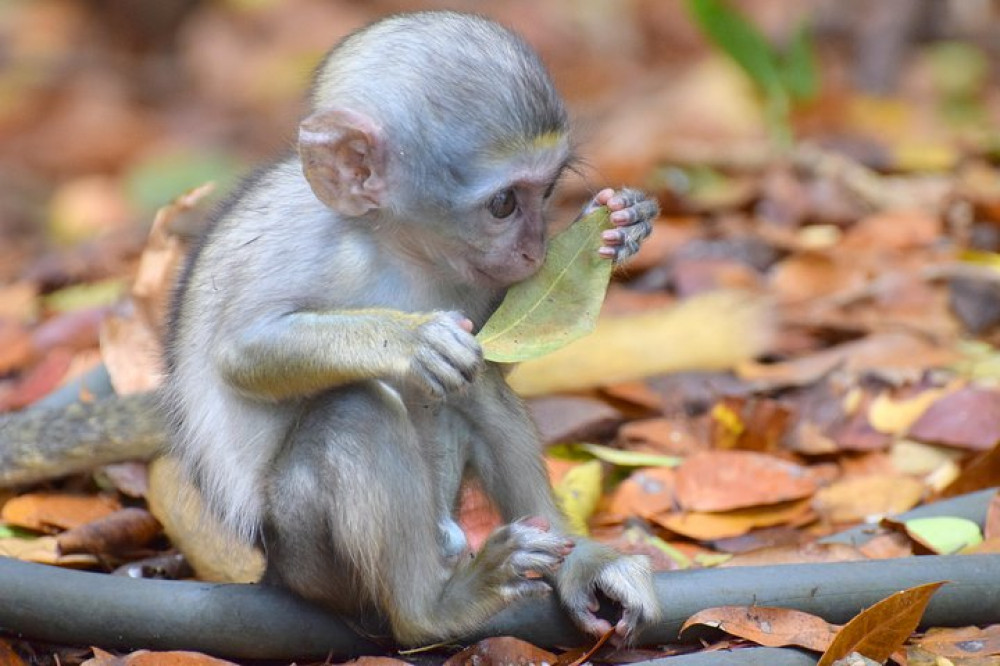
(632, 213)
(626, 580)
(446, 357)
(518, 558)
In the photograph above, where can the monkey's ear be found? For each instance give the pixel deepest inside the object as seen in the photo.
(343, 157)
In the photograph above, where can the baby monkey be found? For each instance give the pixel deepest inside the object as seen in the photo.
(326, 393)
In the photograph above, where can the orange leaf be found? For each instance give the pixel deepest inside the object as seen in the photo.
(879, 631)
(962, 642)
(725, 524)
(7, 655)
(501, 650)
(724, 480)
(45, 511)
(147, 658)
(771, 627)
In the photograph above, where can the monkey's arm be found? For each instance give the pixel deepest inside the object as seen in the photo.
(509, 460)
(308, 351)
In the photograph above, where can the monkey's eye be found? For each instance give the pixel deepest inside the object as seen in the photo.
(503, 204)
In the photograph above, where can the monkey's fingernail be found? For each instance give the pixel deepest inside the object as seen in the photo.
(606, 252)
(616, 202)
(611, 235)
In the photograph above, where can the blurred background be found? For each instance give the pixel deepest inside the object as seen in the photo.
(111, 108)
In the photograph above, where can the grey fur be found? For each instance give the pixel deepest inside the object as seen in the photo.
(323, 392)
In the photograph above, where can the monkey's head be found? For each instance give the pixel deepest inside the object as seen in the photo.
(445, 130)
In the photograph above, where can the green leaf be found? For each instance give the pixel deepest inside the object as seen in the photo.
(799, 71)
(946, 535)
(741, 41)
(578, 493)
(86, 295)
(630, 458)
(557, 305)
(14, 532)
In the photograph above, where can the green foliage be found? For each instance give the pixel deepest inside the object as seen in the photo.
(159, 180)
(783, 77)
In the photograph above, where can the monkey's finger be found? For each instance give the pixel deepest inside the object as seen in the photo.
(535, 564)
(600, 199)
(640, 211)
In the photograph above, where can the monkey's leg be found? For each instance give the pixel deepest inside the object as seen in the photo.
(353, 523)
(508, 459)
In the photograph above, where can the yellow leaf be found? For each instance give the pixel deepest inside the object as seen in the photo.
(713, 331)
(894, 417)
(577, 494)
(557, 305)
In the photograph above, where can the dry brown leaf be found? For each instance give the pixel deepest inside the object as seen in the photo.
(881, 351)
(725, 480)
(644, 493)
(980, 473)
(811, 553)
(573, 418)
(119, 532)
(749, 424)
(44, 550)
(47, 511)
(41, 380)
(8, 657)
(991, 528)
(865, 497)
(893, 230)
(881, 630)
(147, 658)
(886, 546)
(17, 348)
(726, 524)
(377, 661)
(812, 275)
(667, 436)
(768, 626)
(19, 301)
(968, 418)
(501, 651)
(962, 642)
(636, 394)
(132, 352)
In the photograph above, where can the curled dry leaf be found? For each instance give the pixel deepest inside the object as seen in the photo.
(768, 626)
(501, 650)
(147, 658)
(119, 532)
(879, 631)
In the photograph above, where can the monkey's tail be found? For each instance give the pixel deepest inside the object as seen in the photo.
(45, 443)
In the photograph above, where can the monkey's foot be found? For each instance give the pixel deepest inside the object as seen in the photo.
(523, 554)
(626, 580)
(632, 213)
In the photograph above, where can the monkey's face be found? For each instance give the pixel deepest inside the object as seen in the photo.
(505, 230)
(511, 237)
